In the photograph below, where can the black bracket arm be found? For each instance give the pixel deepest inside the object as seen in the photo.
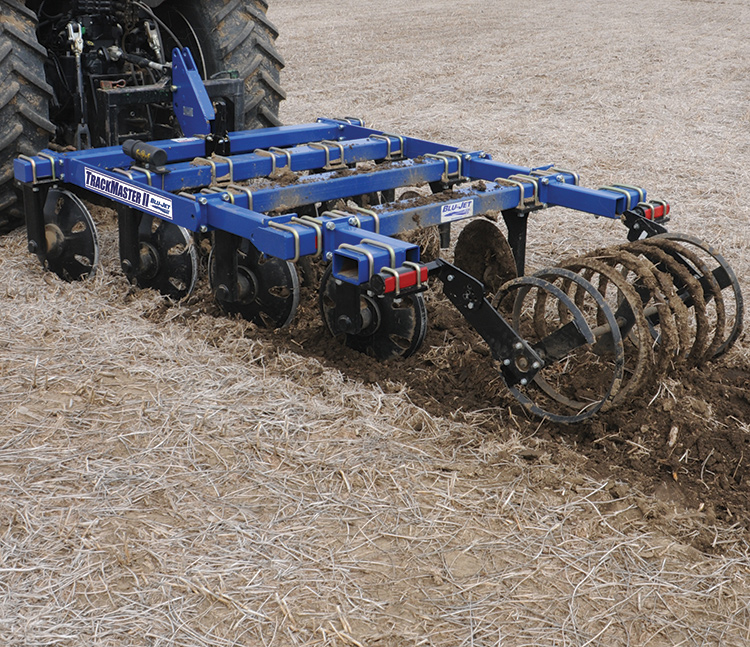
(640, 227)
(519, 362)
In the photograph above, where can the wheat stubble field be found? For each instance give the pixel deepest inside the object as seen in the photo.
(169, 476)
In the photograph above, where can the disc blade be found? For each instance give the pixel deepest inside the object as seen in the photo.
(72, 242)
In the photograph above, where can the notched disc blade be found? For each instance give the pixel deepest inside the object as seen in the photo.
(72, 243)
(274, 296)
(398, 324)
(176, 267)
(483, 251)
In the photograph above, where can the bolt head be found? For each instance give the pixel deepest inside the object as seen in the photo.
(330, 226)
(518, 345)
(545, 180)
(506, 362)
(33, 247)
(202, 200)
(536, 365)
(225, 197)
(353, 222)
(345, 323)
(560, 178)
(470, 305)
(329, 256)
(222, 292)
(203, 229)
(450, 277)
(524, 381)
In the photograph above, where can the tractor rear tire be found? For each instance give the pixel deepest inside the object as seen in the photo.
(233, 35)
(25, 127)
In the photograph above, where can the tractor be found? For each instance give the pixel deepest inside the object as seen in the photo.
(88, 73)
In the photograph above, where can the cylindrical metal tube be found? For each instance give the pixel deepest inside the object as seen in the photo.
(143, 153)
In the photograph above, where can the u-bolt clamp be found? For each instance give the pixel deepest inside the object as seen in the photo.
(365, 252)
(352, 121)
(623, 189)
(390, 154)
(576, 177)
(309, 221)
(123, 171)
(371, 213)
(45, 156)
(260, 151)
(241, 189)
(534, 181)
(393, 272)
(282, 151)
(32, 161)
(382, 245)
(326, 145)
(338, 213)
(417, 268)
(517, 183)
(443, 157)
(229, 161)
(145, 171)
(291, 230)
(204, 161)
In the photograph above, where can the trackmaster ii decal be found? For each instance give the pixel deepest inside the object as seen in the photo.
(130, 194)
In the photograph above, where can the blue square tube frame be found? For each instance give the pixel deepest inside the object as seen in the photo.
(359, 244)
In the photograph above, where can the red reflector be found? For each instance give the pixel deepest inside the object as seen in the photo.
(406, 279)
(654, 210)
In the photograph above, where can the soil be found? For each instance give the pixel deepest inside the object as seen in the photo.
(685, 441)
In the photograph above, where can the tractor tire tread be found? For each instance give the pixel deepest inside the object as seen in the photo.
(239, 36)
(25, 127)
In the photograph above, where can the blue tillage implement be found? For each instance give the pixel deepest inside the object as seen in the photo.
(333, 190)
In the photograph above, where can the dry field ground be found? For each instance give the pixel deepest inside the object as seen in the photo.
(169, 476)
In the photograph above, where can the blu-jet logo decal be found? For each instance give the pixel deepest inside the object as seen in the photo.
(130, 194)
(457, 211)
